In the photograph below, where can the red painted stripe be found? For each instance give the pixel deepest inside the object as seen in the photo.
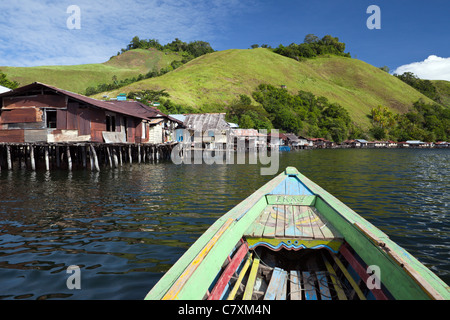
(378, 293)
(231, 268)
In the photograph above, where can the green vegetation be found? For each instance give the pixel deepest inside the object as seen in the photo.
(443, 89)
(312, 47)
(77, 78)
(302, 114)
(166, 106)
(7, 83)
(212, 81)
(426, 87)
(426, 121)
(188, 52)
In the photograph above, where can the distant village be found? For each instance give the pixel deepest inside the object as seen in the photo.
(37, 119)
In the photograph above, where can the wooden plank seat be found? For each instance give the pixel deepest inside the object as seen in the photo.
(322, 278)
(292, 227)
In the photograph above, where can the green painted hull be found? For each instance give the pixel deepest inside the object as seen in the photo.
(402, 276)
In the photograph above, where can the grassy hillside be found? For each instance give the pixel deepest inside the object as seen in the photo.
(221, 76)
(77, 78)
(443, 89)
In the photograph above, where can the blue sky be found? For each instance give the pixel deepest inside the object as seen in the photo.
(414, 34)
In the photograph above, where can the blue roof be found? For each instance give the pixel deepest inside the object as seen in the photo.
(179, 117)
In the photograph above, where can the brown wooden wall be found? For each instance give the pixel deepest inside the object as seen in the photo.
(40, 101)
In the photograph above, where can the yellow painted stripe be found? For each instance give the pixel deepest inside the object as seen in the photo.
(349, 278)
(251, 280)
(334, 279)
(178, 285)
(239, 279)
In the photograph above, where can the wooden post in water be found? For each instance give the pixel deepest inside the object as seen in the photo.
(120, 156)
(47, 161)
(83, 155)
(94, 158)
(130, 155)
(139, 154)
(8, 157)
(32, 158)
(69, 159)
(114, 154)
(58, 157)
(108, 152)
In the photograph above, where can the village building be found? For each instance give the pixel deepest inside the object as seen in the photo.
(250, 139)
(42, 113)
(206, 130)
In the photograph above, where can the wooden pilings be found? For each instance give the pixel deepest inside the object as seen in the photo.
(71, 156)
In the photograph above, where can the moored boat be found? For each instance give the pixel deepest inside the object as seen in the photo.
(292, 240)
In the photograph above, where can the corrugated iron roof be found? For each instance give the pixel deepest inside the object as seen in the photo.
(206, 121)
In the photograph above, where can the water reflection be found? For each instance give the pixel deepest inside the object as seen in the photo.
(125, 227)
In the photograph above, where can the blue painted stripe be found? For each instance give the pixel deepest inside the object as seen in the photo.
(292, 186)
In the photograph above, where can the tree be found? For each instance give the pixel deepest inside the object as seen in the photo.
(254, 46)
(311, 38)
(7, 83)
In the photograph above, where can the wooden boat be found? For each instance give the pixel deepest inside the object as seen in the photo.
(293, 240)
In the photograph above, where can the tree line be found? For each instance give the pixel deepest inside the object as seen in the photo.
(302, 114)
(428, 122)
(192, 49)
(313, 46)
(426, 87)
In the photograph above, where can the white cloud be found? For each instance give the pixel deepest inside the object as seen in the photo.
(432, 68)
(34, 32)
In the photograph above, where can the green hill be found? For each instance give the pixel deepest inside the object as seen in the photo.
(77, 78)
(219, 78)
(443, 89)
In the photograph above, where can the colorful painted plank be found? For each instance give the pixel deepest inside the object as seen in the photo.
(270, 227)
(304, 221)
(218, 290)
(290, 230)
(296, 286)
(251, 280)
(323, 285)
(256, 229)
(349, 278)
(238, 282)
(281, 220)
(178, 285)
(277, 285)
(291, 186)
(308, 284)
(335, 280)
(316, 231)
(362, 272)
(328, 231)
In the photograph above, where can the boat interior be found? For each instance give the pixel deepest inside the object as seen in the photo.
(291, 253)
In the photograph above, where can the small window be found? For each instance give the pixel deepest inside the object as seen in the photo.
(50, 116)
(110, 123)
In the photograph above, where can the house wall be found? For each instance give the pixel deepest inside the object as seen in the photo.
(23, 119)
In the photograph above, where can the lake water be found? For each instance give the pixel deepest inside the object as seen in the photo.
(125, 227)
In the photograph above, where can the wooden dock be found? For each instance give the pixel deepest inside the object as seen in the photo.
(87, 155)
